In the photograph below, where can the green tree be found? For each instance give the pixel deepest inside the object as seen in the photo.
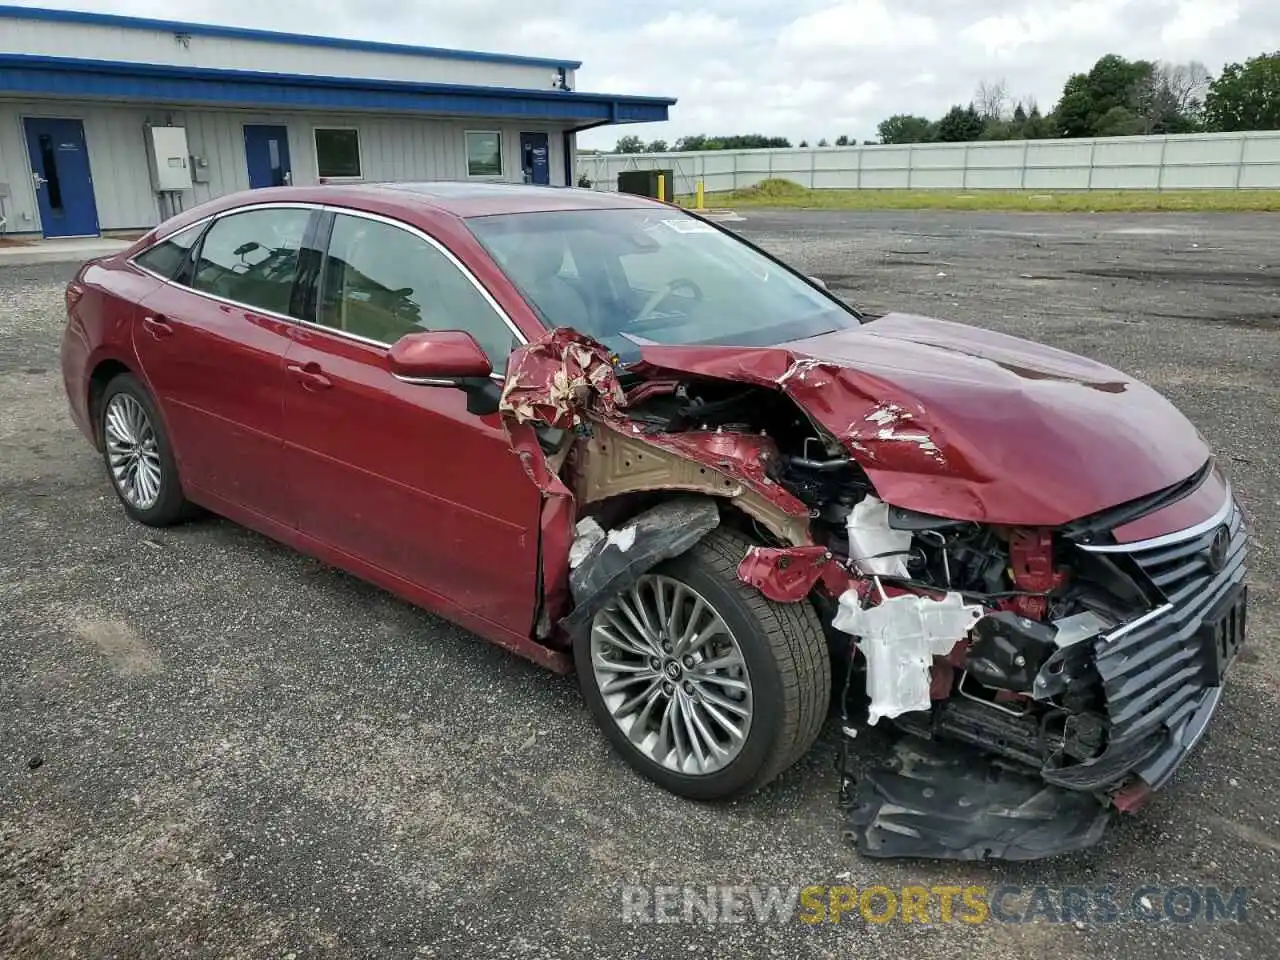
(629, 144)
(960, 125)
(1120, 122)
(904, 128)
(1112, 82)
(842, 140)
(1246, 96)
(823, 142)
(656, 146)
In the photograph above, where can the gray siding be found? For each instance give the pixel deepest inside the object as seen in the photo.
(391, 147)
(115, 43)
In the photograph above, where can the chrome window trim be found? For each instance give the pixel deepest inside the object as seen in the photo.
(1132, 625)
(348, 211)
(1220, 517)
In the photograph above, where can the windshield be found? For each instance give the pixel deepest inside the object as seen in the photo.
(632, 277)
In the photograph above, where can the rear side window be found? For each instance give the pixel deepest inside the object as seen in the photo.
(252, 257)
(167, 256)
(381, 282)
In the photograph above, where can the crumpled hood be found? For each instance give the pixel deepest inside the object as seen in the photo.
(970, 424)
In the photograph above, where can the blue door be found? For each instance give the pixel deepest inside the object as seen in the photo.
(535, 158)
(266, 150)
(60, 172)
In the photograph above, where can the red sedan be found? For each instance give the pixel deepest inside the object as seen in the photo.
(610, 435)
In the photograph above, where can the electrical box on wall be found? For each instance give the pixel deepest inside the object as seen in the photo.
(169, 158)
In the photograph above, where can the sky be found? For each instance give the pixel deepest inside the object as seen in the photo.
(802, 69)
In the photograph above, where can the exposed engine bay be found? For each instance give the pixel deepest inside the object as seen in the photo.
(1077, 670)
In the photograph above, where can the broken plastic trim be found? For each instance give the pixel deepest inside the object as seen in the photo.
(957, 804)
(619, 559)
(899, 637)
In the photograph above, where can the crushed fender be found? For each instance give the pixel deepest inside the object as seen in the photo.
(788, 574)
(956, 804)
(554, 378)
(619, 559)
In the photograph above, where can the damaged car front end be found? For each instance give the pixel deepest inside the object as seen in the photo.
(1069, 651)
(1026, 562)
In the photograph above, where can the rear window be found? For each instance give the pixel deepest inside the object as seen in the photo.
(167, 256)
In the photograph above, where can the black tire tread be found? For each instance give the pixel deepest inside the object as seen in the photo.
(798, 643)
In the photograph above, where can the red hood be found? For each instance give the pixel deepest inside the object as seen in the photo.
(965, 423)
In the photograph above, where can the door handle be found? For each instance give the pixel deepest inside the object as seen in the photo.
(38, 180)
(158, 327)
(309, 375)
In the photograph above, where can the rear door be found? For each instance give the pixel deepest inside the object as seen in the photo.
(212, 346)
(396, 474)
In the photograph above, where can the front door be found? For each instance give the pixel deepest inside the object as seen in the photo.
(266, 151)
(535, 158)
(399, 475)
(60, 172)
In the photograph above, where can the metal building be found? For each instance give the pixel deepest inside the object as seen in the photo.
(110, 123)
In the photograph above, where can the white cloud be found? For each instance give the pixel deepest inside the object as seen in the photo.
(859, 24)
(698, 27)
(1197, 18)
(1040, 23)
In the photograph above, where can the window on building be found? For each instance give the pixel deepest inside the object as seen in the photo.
(252, 257)
(381, 282)
(484, 153)
(168, 255)
(338, 152)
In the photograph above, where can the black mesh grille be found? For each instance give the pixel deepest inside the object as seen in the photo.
(1155, 674)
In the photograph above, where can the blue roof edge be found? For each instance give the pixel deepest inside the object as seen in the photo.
(271, 36)
(109, 79)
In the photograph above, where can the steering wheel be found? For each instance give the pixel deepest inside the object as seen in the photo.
(656, 299)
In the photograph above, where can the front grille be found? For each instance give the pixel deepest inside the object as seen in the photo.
(1157, 669)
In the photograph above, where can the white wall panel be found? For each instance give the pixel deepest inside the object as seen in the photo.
(1194, 161)
(109, 42)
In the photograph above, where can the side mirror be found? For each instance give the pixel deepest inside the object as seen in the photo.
(438, 355)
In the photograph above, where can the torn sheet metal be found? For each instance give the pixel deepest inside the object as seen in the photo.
(788, 574)
(899, 637)
(951, 802)
(554, 378)
(965, 423)
(619, 559)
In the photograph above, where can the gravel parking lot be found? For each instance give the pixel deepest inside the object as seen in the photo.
(211, 746)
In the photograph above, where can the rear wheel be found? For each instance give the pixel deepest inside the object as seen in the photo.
(138, 454)
(702, 684)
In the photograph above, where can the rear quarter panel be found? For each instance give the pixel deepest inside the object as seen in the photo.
(99, 328)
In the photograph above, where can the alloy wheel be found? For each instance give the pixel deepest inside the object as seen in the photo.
(132, 451)
(672, 676)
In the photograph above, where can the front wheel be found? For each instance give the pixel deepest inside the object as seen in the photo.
(701, 683)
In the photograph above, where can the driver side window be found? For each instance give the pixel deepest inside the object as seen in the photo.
(251, 257)
(381, 282)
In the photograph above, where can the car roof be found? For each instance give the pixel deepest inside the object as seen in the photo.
(483, 199)
(458, 200)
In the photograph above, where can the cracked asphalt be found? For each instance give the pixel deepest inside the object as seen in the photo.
(212, 746)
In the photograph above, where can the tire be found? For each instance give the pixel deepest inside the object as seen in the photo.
(784, 654)
(127, 407)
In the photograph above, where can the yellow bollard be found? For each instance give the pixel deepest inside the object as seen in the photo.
(699, 205)
(662, 187)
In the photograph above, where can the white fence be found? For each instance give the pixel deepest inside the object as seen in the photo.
(1202, 161)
